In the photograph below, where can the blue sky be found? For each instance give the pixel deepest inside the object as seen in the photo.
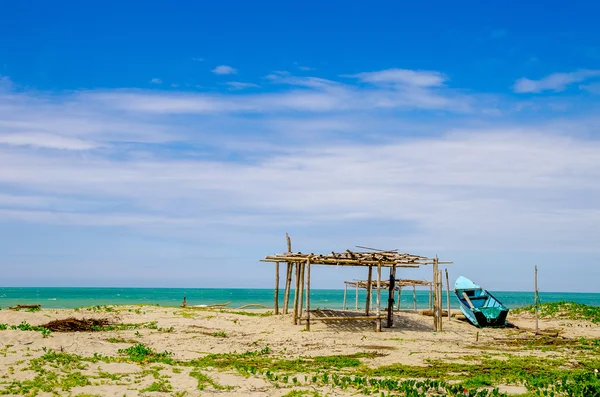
(153, 144)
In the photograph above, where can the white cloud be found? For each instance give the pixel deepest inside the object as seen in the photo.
(417, 78)
(553, 82)
(46, 141)
(237, 85)
(593, 88)
(224, 70)
(156, 81)
(315, 154)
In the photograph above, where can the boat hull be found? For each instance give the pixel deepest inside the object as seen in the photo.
(480, 307)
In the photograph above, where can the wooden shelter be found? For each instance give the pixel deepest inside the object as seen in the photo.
(300, 264)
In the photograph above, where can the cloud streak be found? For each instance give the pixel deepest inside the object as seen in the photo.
(224, 70)
(555, 82)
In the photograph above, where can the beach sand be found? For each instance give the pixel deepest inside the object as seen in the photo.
(190, 334)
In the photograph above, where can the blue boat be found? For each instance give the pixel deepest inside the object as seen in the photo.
(480, 307)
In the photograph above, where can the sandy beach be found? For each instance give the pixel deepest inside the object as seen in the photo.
(198, 352)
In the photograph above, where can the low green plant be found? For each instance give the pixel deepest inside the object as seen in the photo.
(143, 354)
(205, 380)
(564, 309)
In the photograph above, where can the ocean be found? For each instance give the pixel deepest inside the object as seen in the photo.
(319, 298)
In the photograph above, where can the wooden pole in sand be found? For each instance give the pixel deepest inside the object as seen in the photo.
(448, 294)
(536, 297)
(288, 278)
(288, 284)
(276, 287)
(357, 295)
(369, 280)
(399, 296)
(308, 294)
(440, 300)
(301, 298)
(345, 294)
(415, 298)
(431, 296)
(390, 308)
(296, 293)
(378, 323)
(435, 288)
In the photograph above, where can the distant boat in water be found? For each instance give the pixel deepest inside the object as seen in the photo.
(480, 307)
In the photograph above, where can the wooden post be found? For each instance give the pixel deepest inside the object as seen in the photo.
(431, 296)
(399, 296)
(448, 294)
(308, 294)
(435, 288)
(390, 308)
(536, 297)
(345, 294)
(301, 298)
(415, 297)
(440, 300)
(288, 283)
(378, 323)
(357, 295)
(296, 293)
(276, 287)
(369, 280)
(288, 278)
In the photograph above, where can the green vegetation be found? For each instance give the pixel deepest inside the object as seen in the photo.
(301, 393)
(141, 353)
(564, 309)
(205, 380)
(162, 386)
(47, 382)
(25, 326)
(249, 314)
(220, 334)
(121, 340)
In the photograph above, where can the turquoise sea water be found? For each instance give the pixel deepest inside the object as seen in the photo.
(320, 298)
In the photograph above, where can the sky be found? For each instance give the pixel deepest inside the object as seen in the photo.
(173, 144)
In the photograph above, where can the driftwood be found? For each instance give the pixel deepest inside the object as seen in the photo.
(76, 325)
(25, 307)
(252, 304)
(430, 313)
(208, 306)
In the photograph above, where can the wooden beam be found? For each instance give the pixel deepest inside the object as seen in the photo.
(345, 294)
(369, 279)
(356, 296)
(464, 294)
(277, 288)
(350, 318)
